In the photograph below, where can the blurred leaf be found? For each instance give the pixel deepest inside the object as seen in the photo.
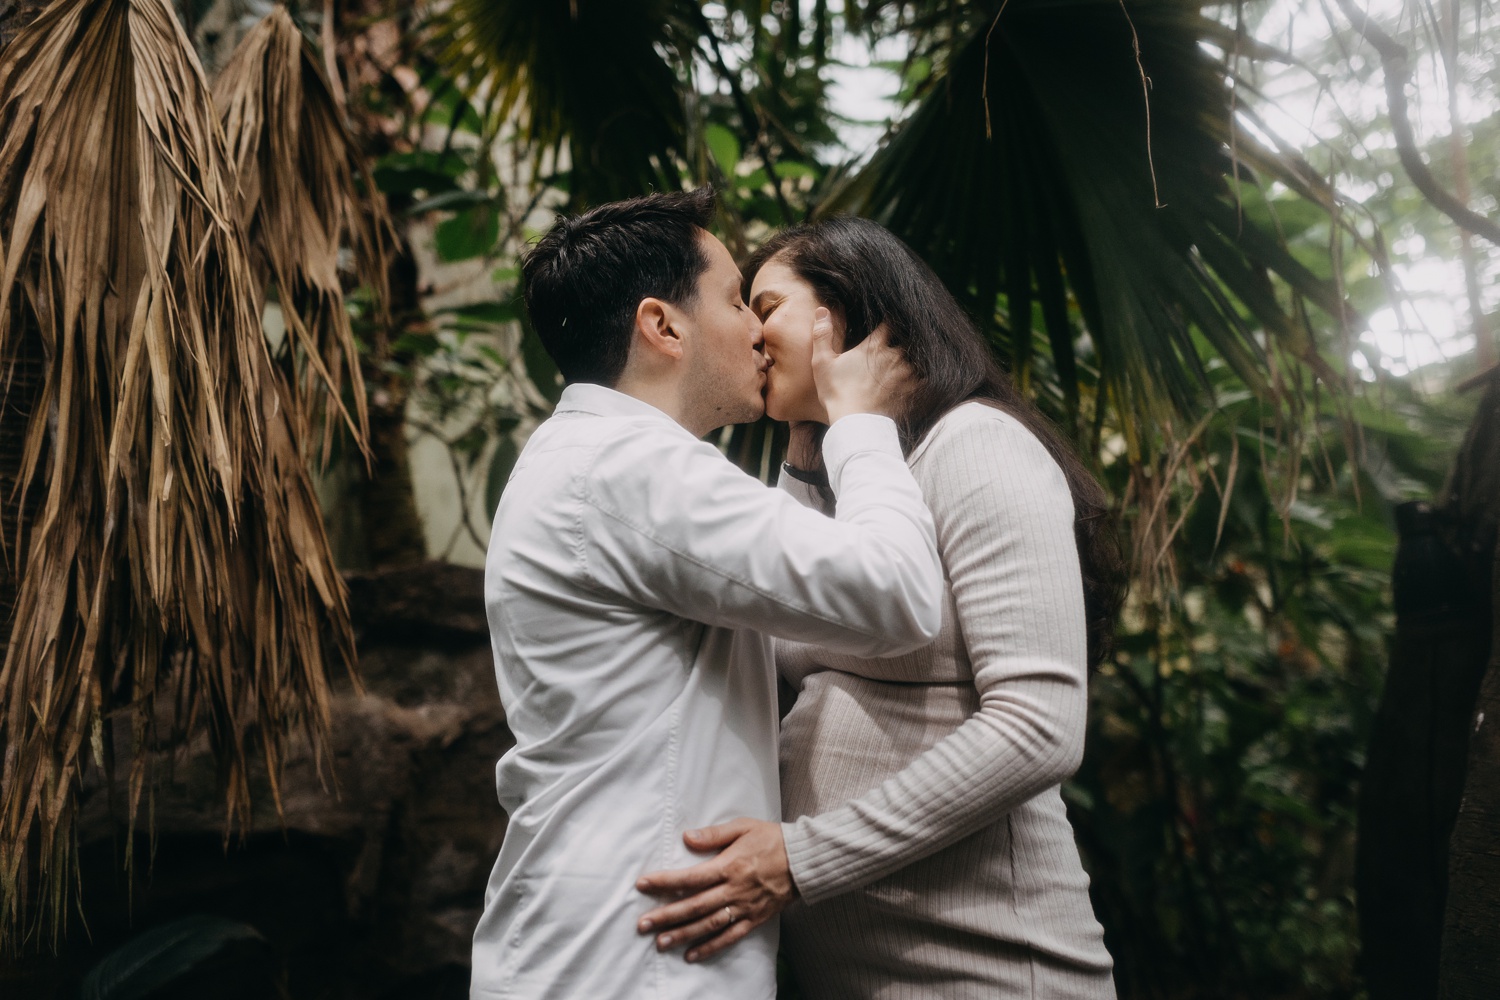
(794, 170)
(451, 200)
(540, 367)
(420, 170)
(454, 110)
(415, 344)
(501, 463)
(491, 313)
(156, 958)
(469, 234)
(724, 146)
(1363, 541)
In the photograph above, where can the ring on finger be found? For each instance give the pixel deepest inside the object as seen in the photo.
(729, 912)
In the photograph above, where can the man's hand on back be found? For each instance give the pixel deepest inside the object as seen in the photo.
(747, 883)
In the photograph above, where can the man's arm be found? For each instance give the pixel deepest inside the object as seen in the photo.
(687, 532)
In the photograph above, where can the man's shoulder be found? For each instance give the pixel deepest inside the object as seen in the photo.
(610, 454)
(638, 457)
(579, 437)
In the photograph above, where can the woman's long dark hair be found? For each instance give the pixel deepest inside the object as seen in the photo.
(860, 270)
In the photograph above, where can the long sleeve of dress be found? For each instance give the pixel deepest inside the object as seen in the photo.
(1004, 519)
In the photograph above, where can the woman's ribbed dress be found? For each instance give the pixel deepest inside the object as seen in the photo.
(923, 817)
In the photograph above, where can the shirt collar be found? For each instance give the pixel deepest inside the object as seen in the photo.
(602, 401)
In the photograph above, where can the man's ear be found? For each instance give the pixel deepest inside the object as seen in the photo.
(656, 327)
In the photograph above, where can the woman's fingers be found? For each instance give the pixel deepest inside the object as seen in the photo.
(887, 366)
(684, 911)
(713, 946)
(711, 838)
(749, 882)
(873, 377)
(681, 880)
(718, 918)
(822, 337)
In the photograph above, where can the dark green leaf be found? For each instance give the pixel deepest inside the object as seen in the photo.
(452, 200)
(160, 956)
(501, 462)
(469, 234)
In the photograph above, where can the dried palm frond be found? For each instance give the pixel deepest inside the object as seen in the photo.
(177, 547)
(304, 194)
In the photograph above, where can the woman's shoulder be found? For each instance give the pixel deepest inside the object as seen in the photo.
(978, 422)
(976, 445)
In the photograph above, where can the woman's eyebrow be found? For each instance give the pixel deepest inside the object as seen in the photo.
(759, 301)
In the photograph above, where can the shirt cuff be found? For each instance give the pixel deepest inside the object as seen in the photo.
(856, 433)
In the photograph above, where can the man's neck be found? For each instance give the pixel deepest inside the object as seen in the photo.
(667, 398)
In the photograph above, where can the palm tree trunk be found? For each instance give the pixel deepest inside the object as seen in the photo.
(391, 526)
(1470, 962)
(22, 374)
(1420, 750)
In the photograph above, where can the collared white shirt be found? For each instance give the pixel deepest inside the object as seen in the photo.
(634, 580)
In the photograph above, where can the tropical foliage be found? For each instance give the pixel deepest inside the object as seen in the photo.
(1095, 180)
(1185, 301)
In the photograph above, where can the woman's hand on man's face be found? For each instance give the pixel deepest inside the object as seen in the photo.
(728, 896)
(871, 378)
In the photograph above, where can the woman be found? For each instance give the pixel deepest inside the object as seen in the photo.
(923, 823)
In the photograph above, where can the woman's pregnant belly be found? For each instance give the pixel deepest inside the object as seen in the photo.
(845, 735)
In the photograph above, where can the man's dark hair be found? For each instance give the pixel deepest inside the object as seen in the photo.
(585, 278)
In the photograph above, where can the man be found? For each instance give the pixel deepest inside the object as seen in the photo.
(632, 580)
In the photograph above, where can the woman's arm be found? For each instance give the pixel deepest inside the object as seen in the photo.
(1004, 516)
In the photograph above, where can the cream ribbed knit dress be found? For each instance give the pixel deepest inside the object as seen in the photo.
(923, 819)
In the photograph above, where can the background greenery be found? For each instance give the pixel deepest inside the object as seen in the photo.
(1216, 804)
(1203, 355)
(1101, 184)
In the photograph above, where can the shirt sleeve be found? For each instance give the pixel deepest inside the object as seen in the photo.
(671, 524)
(1004, 517)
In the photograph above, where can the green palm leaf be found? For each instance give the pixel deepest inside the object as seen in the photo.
(1057, 205)
(599, 78)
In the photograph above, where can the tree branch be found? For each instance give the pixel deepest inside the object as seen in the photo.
(1396, 62)
(747, 113)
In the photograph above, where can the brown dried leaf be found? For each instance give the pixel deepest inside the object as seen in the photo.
(304, 194)
(177, 546)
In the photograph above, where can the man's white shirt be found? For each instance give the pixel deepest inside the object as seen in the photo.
(634, 580)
